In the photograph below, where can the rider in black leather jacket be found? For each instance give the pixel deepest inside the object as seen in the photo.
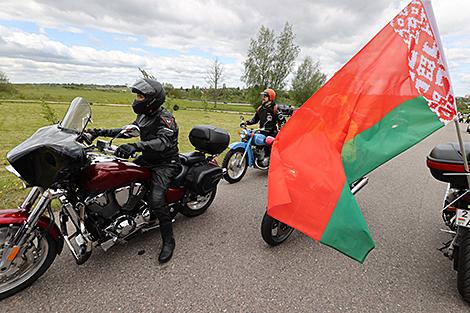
(268, 115)
(159, 147)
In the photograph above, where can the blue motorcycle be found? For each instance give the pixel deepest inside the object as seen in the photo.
(249, 152)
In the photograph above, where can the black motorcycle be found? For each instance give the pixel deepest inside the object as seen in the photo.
(446, 164)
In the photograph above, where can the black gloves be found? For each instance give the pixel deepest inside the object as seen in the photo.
(126, 150)
(243, 124)
(94, 133)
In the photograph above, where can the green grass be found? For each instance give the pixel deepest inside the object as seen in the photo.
(18, 121)
(102, 95)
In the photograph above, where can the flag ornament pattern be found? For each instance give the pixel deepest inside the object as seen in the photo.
(391, 95)
(425, 61)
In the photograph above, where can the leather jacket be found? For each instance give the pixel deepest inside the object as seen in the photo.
(268, 117)
(158, 135)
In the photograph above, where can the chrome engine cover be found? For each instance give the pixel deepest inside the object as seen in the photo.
(122, 226)
(128, 196)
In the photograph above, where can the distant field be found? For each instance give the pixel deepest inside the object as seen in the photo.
(101, 95)
(20, 120)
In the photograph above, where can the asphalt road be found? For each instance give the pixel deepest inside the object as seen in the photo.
(221, 264)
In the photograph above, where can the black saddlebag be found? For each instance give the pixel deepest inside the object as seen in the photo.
(209, 139)
(203, 177)
(446, 164)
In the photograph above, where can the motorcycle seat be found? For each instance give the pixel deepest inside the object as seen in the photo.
(191, 157)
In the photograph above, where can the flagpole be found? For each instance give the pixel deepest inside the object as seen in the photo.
(432, 19)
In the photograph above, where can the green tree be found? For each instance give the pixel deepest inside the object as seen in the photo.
(307, 80)
(270, 58)
(5, 86)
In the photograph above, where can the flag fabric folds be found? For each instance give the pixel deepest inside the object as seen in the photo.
(392, 94)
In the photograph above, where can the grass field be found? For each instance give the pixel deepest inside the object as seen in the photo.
(18, 121)
(98, 95)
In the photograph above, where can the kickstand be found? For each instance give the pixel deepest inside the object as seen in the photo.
(446, 246)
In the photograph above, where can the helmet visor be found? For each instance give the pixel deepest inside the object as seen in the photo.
(142, 87)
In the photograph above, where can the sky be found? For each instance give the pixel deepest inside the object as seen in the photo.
(105, 42)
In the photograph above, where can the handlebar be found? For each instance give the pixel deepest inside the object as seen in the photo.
(106, 148)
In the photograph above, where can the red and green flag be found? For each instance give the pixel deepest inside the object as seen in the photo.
(391, 95)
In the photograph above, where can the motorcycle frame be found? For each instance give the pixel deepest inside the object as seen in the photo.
(247, 147)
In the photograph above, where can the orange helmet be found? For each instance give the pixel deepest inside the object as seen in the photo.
(270, 93)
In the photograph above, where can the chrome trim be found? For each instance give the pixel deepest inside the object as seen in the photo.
(359, 185)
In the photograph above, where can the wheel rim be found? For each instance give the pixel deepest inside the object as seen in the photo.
(24, 266)
(200, 202)
(260, 166)
(280, 231)
(236, 165)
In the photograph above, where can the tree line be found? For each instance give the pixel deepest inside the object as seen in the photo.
(270, 60)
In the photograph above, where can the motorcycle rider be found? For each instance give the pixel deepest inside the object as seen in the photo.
(159, 147)
(267, 114)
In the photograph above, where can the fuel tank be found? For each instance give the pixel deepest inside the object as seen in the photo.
(110, 175)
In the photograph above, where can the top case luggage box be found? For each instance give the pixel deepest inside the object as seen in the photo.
(446, 164)
(209, 139)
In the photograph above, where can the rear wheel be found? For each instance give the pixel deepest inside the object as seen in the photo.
(463, 274)
(273, 231)
(29, 265)
(235, 165)
(199, 204)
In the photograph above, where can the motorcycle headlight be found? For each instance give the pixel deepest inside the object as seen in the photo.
(243, 134)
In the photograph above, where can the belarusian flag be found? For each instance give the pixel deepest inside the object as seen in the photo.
(388, 97)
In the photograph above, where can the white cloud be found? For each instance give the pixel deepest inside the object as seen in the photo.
(331, 31)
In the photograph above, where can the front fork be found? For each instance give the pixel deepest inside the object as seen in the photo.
(18, 242)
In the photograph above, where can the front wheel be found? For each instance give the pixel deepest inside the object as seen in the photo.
(199, 204)
(463, 274)
(273, 231)
(29, 264)
(235, 165)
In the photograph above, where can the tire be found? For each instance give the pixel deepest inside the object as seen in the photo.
(234, 173)
(269, 224)
(45, 242)
(463, 274)
(199, 206)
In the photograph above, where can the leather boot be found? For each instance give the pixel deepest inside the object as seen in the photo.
(168, 244)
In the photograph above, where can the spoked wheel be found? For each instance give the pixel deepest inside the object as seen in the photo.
(30, 263)
(235, 165)
(262, 164)
(199, 204)
(273, 231)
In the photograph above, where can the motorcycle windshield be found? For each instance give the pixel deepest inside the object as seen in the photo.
(52, 153)
(77, 116)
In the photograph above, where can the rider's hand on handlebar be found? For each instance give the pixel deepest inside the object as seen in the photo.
(92, 134)
(243, 124)
(86, 137)
(126, 150)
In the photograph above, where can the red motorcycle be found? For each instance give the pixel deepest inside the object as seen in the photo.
(102, 198)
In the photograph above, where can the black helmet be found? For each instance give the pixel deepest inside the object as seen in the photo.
(153, 92)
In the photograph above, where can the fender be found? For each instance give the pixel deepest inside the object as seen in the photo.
(18, 217)
(246, 146)
(235, 145)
